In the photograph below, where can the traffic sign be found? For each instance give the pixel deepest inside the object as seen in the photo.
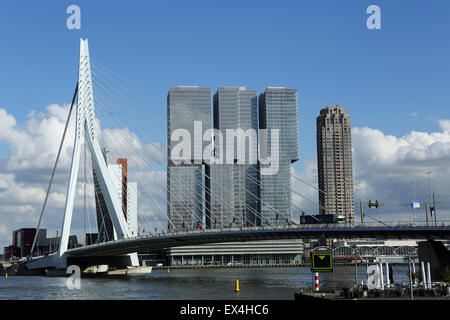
(415, 204)
(322, 262)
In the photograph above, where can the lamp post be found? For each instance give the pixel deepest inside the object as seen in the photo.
(410, 279)
(429, 194)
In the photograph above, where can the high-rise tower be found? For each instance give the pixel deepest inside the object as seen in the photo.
(334, 161)
(278, 110)
(232, 188)
(186, 107)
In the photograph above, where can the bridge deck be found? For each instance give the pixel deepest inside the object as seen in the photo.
(343, 231)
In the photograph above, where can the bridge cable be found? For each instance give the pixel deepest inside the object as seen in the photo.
(54, 169)
(251, 209)
(202, 172)
(141, 158)
(264, 187)
(138, 152)
(104, 115)
(135, 152)
(98, 66)
(161, 151)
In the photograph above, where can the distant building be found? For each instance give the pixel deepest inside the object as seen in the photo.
(334, 162)
(11, 252)
(91, 238)
(23, 240)
(185, 181)
(126, 191)
(278, 110)
(52, 244)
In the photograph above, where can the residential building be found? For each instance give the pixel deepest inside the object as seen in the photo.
(334, 162)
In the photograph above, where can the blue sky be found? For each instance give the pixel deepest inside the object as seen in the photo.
(323, 48)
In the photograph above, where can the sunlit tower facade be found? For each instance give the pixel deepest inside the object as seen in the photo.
(232, 189)
(334, 161)
(185, 181)
(278, 109)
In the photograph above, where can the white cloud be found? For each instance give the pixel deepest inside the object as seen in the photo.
(14, 192)
(34, 144)
(387, 168)
(445, 125)
(6, 123)
(124, 143)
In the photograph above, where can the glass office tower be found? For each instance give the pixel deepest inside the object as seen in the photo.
(278, 109)
(232, 191)
(185, 180)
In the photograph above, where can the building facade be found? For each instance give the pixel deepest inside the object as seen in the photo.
(232, 186)
(187, 108)
(334, 162)
(22, 240)
(267, 252)
(278, 110)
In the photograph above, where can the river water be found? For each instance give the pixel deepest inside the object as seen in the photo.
(195, 284)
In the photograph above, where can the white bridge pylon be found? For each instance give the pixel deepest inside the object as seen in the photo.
(85, 133)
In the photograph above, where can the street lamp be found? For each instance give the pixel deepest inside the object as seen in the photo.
(429, 194)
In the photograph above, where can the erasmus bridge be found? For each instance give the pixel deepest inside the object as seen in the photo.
(106, 105)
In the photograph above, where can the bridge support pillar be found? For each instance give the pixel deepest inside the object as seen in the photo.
(118, 262)
(134, 260)
(62, 263)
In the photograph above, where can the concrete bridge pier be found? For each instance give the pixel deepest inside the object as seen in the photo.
(113, 262)
(54, 265)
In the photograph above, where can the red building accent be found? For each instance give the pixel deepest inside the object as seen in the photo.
(123, 162)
